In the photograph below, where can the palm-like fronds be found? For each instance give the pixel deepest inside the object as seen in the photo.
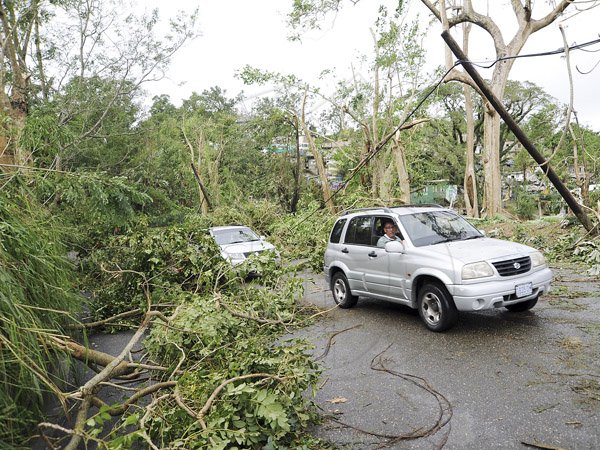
(36, 298)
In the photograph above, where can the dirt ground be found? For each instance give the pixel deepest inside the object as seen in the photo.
(497, 380)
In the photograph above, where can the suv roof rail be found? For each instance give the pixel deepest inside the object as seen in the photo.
(417, 205)
(372, 208)
(388, 209)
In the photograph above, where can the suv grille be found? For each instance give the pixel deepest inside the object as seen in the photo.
(513, 266)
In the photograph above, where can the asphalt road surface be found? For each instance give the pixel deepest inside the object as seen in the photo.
(497, 380)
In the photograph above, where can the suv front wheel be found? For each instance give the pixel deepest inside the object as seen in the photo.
(436, 307)
(341, 291)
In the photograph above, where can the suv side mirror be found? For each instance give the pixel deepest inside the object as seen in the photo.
(394, 247)
(481, 231)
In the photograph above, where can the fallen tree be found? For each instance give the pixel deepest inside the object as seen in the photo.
(213, 373)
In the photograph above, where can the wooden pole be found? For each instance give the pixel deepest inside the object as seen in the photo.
(519, 134)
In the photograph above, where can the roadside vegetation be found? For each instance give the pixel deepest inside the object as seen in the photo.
(106, 198)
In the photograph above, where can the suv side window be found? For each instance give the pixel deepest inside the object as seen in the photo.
(336, 233)
(378, 228)
(359, 230)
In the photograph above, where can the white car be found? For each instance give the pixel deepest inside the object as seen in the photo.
(438, 264)
(238, 243)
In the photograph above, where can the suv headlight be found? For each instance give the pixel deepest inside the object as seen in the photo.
(477, 270)
(537, 259)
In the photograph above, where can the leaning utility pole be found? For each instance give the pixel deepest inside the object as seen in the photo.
(519, 134)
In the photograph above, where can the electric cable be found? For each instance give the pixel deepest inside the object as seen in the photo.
(533, 55)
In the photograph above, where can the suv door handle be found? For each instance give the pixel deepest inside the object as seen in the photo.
(373, 254)
(344, 250)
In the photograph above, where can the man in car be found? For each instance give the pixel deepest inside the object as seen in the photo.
(389, 230)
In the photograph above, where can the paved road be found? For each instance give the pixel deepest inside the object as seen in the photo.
(498, 379)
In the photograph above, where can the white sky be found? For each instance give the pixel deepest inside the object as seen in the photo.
(236, 33)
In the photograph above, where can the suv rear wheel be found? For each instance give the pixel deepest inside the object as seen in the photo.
(436, 308)
(341, 291)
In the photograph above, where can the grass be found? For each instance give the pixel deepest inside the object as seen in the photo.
(36, 297)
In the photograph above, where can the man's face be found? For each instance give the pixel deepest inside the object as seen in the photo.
(389, 230)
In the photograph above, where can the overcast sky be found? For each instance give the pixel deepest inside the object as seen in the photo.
(236, 33)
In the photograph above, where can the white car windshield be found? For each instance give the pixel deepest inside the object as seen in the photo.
(234, 236)
(434, 227)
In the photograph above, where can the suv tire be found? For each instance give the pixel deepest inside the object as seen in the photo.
(341, 291)
(522, 306)
(436, 307)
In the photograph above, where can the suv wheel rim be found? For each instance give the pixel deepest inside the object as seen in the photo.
(431, 308)
(339, 290)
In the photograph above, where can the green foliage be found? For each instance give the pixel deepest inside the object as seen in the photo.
(526, 205)
(257, 214)
(37, 297)
(222, 327)
(589, 252)
(182, 256)
(251, 412)
(94, 203)
(304, 236)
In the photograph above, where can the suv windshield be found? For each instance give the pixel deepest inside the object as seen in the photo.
(234, 236)
(434, 227)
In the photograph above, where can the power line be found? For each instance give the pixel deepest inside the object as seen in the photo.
(533, 55)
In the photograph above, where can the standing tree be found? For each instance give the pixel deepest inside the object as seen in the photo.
(89, 57)
(18, 20)
(293, 95)
(208, 126)
(273, 122)
(378, 101)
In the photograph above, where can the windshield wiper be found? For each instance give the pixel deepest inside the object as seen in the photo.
(444, 241)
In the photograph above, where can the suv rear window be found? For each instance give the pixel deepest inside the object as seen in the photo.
(336, 233)
(359, 231)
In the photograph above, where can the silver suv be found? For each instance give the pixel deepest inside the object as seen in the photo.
(439, 264)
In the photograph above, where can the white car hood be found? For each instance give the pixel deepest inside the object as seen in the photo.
(481, 249)
(245, 247)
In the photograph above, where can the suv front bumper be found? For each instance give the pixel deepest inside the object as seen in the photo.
(498, 293)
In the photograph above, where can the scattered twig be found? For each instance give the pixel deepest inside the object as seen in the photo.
(444, 416)
(98, 323)
(445, 407)
(320, 313)
(176, 370)
(145, 417)
(543, 446)
(330, 341)
(121, 408)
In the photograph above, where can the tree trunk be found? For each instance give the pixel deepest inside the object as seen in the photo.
(296, 173)
(205, 205)
(403, 178)
(492, 187)
(470, 182)
(327, 200)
